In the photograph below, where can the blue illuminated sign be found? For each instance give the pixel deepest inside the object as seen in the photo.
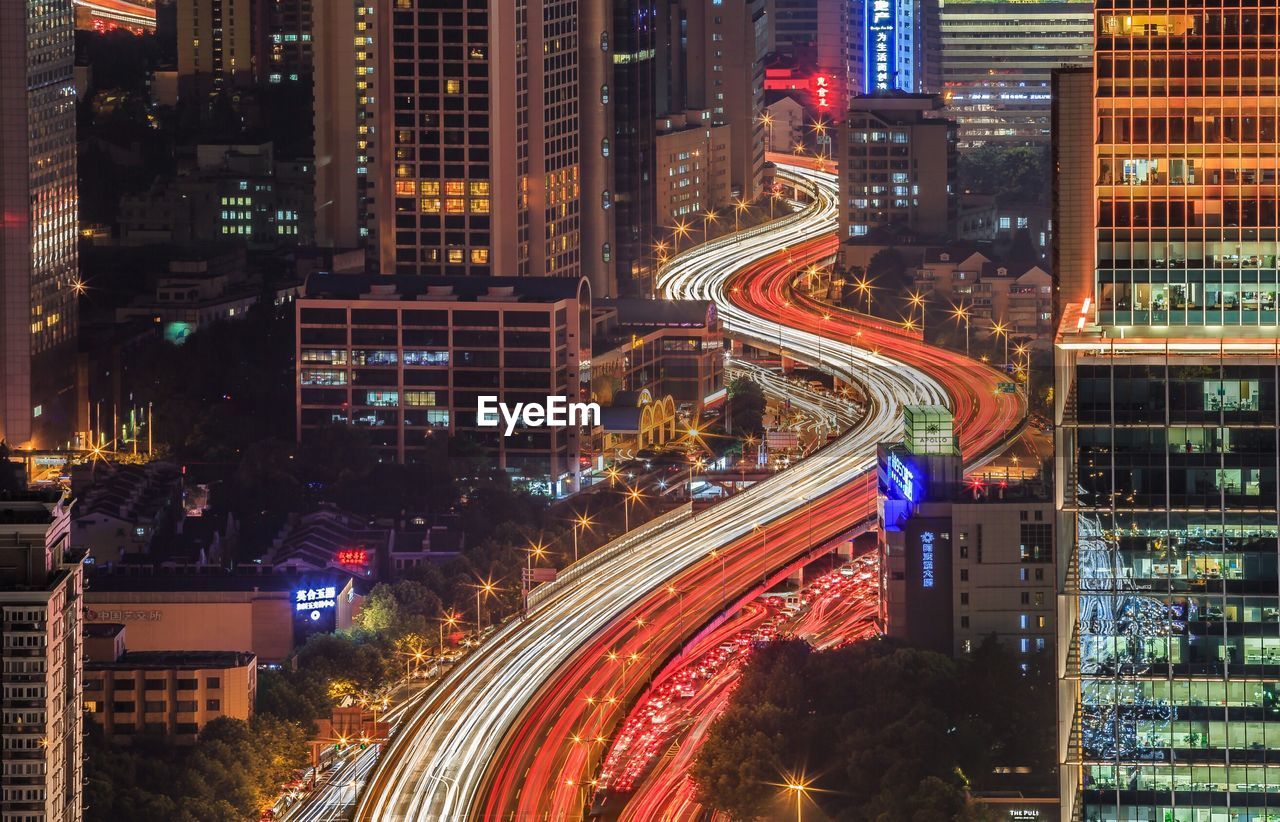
(901, 478)
(926, 559)
(314, 599)
(880, 45)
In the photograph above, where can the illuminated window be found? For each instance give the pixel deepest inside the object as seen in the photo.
(453, 86)
(429, 188)
(455, 188)
(431, 205)
(480, 188)
(479, 205)
(402, 171)
(480, 256)
(455, 205)
(404, 188)
(420, 399)
(455, 255)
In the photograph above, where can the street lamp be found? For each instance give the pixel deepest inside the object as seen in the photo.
(724, 591)
(739, 206)
(709, 216)
(681, 230)
(766, 119)
(801, 790)
(487, 588)
(917, 301)
(582, 521)
(450, 619)
(1002, 330)
(632, 495)
(863, 286)
(960, 312)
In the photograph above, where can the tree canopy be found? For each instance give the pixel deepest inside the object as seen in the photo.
(884, 731)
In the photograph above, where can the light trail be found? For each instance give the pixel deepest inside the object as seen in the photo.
(494, 740)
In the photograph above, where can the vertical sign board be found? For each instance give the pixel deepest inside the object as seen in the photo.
(879, 45)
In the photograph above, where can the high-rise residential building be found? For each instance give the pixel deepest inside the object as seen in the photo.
(693, 168)
(724, 52)
(1168, 364)
(215, 45)
(38, 253)
(286, 40)
(997, 58)
(350, 114)
(41, 612)
(897, 167)
(481, 156)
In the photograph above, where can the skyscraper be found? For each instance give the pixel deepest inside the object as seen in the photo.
(215, 45)
(997, 58)
(38, 261)
(727, 41)
(634, 48)
(480, 148)
(348, 36)
(1168, 363)
(41, 617)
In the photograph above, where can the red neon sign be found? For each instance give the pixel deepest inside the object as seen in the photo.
(822, 88)
(353, 556)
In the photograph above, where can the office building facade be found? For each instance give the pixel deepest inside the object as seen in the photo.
(41, 611)
(38, 251)
(1168, 365)
(997, 59)
(405, 357)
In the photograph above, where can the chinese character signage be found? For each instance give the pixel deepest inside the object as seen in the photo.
(880, 45)
(822, 90)
(926, 559)
(353, 556)
(315, 599)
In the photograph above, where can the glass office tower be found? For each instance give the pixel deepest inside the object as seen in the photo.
(1167, 374)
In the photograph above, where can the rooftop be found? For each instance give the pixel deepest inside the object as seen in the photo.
(171, 660)
(329, 286)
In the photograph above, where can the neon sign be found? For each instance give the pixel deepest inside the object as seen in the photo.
(314, 599)
(822, 90)
(926, 559)
(353, 556)
(901, 478)
(881, 44)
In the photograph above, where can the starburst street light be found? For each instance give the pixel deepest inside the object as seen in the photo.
(961, 314)
(916, 300)
(1001, 330)
(582, 521)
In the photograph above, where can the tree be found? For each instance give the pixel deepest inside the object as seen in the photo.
(885, 731)
(746, 406)
(1011, 173)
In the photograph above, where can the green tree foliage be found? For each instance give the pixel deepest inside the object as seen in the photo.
(885, 731)
(233, 772)
(746, 406)
(1013, 173)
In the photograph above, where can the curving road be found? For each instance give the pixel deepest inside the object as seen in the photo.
(498, 737)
